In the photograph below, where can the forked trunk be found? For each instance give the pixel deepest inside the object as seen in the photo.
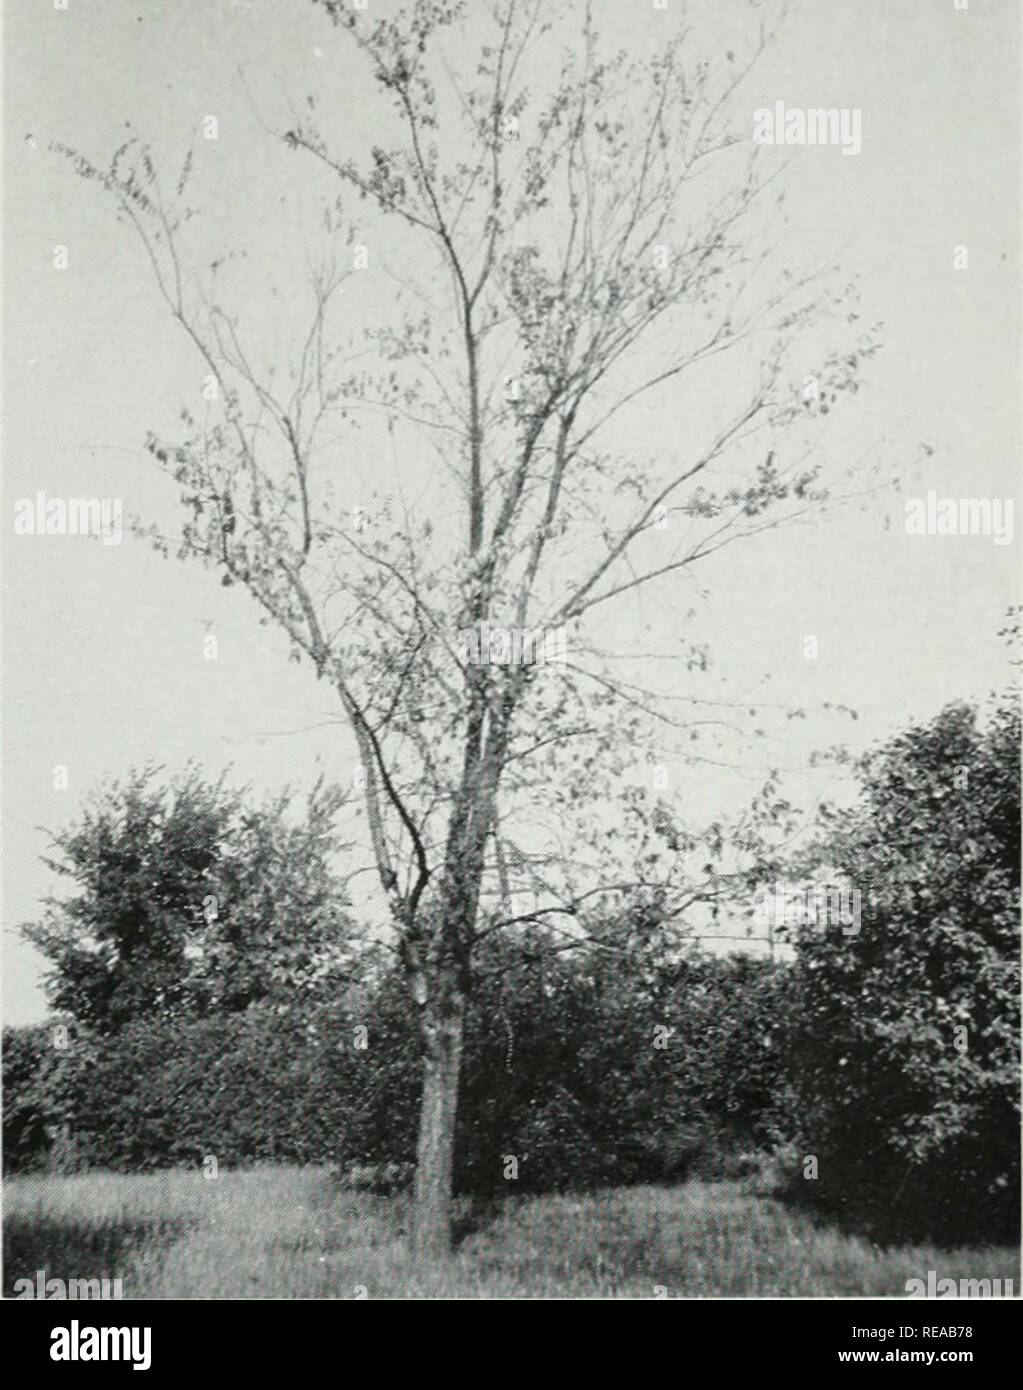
(442, 1063)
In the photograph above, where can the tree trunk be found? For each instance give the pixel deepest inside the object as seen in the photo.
(440, 979)
(441, 1031)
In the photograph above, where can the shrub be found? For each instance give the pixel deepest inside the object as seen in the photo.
(906, 1044)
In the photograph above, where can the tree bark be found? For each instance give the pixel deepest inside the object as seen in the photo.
(440, 977)
(441, 1025)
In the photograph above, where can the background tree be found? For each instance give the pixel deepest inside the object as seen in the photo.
(590, 239)
(906, 1034)
(187, 902)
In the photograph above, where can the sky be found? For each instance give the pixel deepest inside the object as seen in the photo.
(103, 663)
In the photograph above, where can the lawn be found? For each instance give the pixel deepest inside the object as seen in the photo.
(289, 1232)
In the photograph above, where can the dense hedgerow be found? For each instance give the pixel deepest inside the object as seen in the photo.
(562, 1074)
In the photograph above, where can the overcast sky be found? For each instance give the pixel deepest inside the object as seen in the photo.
(103, 645)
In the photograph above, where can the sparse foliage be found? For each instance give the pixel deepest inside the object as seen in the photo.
(587, 240)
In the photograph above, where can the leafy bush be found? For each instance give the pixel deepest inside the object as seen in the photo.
(906, 1040)
(28, 1106)
(564, 1071)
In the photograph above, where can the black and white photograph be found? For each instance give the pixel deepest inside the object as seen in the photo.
(511, 657)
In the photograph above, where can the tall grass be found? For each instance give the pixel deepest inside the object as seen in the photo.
(288, 1232)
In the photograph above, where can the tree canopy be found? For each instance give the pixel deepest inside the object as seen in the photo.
(187, 900)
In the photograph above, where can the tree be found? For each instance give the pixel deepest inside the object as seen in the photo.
(587, 239)
(907, 1031)
(189, 903)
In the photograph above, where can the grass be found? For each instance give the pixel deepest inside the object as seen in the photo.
(288, 1232)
